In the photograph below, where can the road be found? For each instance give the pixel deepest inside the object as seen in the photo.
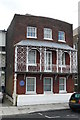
(54, 115)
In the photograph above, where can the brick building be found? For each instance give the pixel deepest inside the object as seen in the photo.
(40, 59)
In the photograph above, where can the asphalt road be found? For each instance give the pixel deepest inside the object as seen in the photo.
(54, 115)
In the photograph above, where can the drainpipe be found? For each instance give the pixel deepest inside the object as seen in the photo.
(15, 79)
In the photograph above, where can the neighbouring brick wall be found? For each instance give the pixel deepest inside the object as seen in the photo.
(70, 85)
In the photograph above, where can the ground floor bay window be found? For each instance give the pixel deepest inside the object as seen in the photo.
(30, 85)
(62, 84)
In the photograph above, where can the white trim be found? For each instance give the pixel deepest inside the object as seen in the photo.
(1, 52)
(15, 58)
(32, 64)
(40, 59)
(76, 58)
(31, 92)
(70, 62)
(61, 61)
(45, 58)
(62, 41)
(31, 37)
(2, 72)
(57, 60)
(63, 91)
(27, 59)
(48, 39)
(48, 92)
(14, 92)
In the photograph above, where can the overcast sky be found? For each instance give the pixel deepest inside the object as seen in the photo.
(65, 10)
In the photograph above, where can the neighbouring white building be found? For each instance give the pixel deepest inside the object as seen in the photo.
(2, 57)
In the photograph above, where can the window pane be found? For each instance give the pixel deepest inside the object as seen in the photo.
(31, 31)
(63, 59)
(61, 35)
(61, 81)
(62, 84)
(47, 84)
(32, 57)
(61, 87)
(47, 81)
(30, 84)
(47, 88)
(47, 33)
(30, 81)
(30, 87)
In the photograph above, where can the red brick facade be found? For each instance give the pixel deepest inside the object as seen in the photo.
(17, 32)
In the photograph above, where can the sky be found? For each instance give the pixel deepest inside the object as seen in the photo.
(65, 10)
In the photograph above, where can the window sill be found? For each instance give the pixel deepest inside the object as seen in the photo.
(62, 66)
(62, 92)
(31, 37)
(62, 41)
(30, 93)
(48, 39)
(49, 92)
(32, 64)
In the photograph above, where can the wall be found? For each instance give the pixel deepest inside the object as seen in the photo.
(42, 99)
(22, 21)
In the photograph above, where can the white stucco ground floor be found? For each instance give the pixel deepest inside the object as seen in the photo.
(42, 99)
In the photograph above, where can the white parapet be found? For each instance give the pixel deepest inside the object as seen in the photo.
(42, 99)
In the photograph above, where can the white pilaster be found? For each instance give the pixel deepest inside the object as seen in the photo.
(27, 60)
(45, 58)
(61, 61)
(70, 62)
(76, 58)
(57, 60)
(15, 58)
(40, 59)
(14, 92)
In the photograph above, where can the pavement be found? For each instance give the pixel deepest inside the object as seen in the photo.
(8, 109)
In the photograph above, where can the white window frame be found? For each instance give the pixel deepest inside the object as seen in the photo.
(48, 31)
(32, 64)
(47, 60)
(64, 59)
(61, 40)
(29, 27)
(62, 91)
(31, 92)
(48, 92)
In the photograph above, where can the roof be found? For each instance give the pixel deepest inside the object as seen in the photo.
(39, 43)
